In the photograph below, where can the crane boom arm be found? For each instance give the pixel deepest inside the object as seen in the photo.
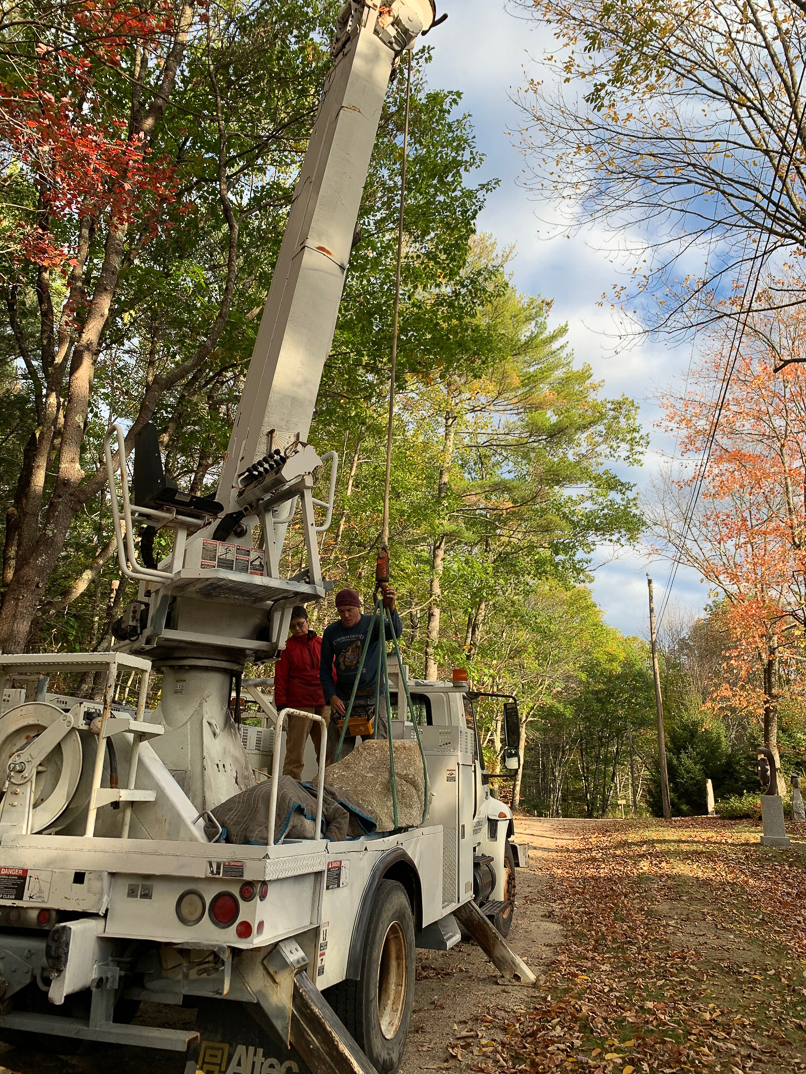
(299, 319)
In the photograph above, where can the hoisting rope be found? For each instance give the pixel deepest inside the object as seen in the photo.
(382, 616)
(384, 545)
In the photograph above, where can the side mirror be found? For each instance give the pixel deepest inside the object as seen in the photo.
(512, 736)
(512, 759)
(512, 725)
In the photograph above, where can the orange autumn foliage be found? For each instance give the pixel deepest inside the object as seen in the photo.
(748, 533)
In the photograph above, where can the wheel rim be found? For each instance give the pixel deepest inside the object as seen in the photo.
(392, 981)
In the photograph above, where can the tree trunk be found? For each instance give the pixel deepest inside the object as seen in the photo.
(516, 790)
(348, 491)
(438, 555)
(475, 622)
(36, 542)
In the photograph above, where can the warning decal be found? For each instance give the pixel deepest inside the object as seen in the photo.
(238, 558)
(24, 885)
(12, 884)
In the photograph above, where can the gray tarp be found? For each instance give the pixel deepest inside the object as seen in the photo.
(357, 801)
(245, 816)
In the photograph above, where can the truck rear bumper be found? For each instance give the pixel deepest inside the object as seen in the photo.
(172, 1040)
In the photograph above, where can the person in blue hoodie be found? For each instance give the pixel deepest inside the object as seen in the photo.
(342, 645)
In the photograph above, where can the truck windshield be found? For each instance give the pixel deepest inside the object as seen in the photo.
(422, 709)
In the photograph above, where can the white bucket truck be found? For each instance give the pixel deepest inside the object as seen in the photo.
(114, 900)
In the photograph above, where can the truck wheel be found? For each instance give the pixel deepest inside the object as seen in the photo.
(503, 919)
(377, 1008)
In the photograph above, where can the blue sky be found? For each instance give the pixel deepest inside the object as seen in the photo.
(483, 51)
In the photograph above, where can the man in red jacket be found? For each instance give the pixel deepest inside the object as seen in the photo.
(297, 686)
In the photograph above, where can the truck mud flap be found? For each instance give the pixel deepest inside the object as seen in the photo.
(520, 852)
(238, 1038)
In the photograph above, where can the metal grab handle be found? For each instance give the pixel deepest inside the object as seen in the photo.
(333, 456)
(279, 732)
(126, 553)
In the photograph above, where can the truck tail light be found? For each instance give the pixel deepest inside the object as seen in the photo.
(264, 890)
(248, 891)
(243, 930)
(190, 907)
(224, 909)
(43, 917)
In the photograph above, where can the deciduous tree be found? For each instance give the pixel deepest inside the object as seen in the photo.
(746, 533)
(684, 121)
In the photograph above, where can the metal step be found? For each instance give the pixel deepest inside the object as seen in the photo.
(169, 1040)
(490, 909)
(107, 795)
(442, 935)
(117, 725)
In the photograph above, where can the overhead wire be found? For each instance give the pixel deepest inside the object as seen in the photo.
(740, 327)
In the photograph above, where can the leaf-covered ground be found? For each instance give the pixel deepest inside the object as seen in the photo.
(684, 950)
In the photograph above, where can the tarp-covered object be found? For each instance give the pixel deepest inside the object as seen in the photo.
(245, 816)
(364, 776)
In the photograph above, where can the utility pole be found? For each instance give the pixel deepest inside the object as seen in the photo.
(664, 772)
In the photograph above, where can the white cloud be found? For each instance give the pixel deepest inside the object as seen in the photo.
(482, 51)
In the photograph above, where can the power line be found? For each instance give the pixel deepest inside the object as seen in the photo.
(740, 328)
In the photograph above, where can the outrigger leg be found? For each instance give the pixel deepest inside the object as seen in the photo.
(493, 944)
(320, 1037)
(288, 1027)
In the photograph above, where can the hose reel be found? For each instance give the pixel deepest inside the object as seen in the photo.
(40, 764)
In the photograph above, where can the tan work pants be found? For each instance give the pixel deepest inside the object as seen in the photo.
(297, 733)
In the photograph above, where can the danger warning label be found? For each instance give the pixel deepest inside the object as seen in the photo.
(24, 885)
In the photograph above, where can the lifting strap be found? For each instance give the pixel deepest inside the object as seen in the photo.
(382, 616)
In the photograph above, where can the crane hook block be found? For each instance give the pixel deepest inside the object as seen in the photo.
(382, 566)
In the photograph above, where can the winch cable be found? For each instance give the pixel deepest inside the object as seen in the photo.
(383, 548)
(381, 614)
(384, 543)
(382, 563)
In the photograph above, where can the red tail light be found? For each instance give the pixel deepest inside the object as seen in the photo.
(224, 909)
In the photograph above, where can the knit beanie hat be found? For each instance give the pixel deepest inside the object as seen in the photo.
(348, 598)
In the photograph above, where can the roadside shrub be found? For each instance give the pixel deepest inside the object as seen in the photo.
(739, 806)
(697, 751)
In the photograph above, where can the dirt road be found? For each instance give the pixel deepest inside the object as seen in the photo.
(457, 992)
(460, 992)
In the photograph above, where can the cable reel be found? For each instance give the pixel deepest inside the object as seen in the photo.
(40, 764)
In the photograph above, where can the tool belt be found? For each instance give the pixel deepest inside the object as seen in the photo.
(362, 719)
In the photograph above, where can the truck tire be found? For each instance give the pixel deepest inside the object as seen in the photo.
(377, 1008)
(503, 919)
